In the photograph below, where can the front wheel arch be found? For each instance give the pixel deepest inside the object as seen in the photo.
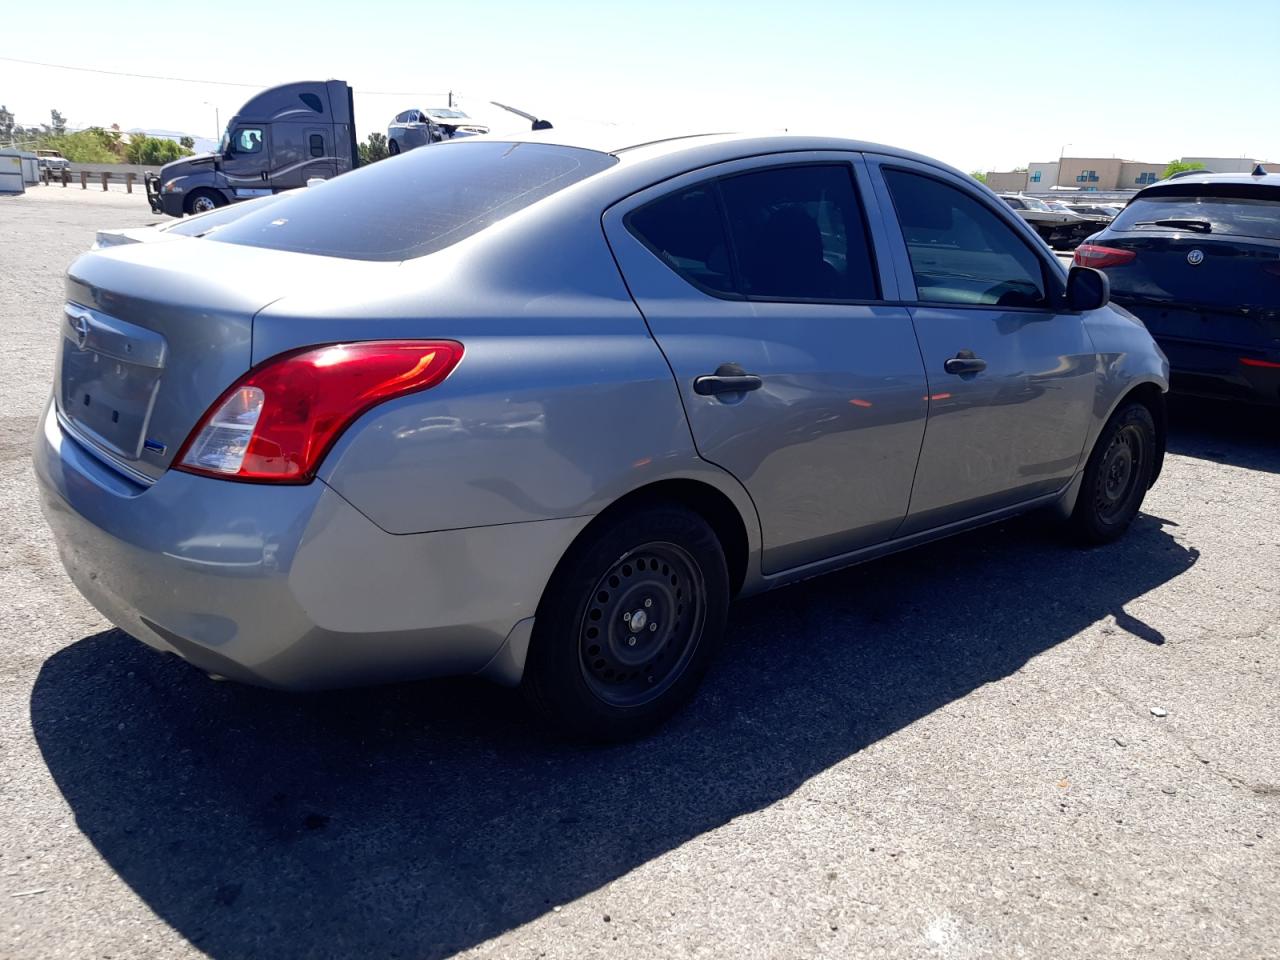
(1153, 398)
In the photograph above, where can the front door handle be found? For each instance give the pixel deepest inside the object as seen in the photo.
(965, 362)
(728, 378)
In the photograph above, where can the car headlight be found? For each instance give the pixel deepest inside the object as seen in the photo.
(171, 186)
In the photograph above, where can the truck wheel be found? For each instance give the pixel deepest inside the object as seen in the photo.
(393, 148)
(202, 201)
(628, 624)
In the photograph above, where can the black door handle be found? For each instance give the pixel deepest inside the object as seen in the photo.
(728, 378)
(964, 362)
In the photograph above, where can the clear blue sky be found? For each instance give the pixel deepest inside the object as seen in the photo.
(978, 84)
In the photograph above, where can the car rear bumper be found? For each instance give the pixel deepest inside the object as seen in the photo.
(1211, 366)
(288, 586)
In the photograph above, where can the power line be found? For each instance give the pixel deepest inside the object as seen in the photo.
(219, 83)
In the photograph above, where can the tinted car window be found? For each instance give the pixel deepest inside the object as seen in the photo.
(1232, 216)
(418, 203)
(798, 234)
(961, 251)
(686, 231)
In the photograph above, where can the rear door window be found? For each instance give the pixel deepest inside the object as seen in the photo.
(798, 234)
(960, 250)
(1242, 216)
(782, 233)
(422, 203)
(685, 230)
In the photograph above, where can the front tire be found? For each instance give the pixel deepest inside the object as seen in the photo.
(202, 201)
(393, 148)
(628, 625)
(1117, 476)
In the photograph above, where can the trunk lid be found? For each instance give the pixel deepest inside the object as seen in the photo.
(1200, 286)
(152, 334)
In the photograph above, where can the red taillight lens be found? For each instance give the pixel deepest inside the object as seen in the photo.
(1255, 362)
(280, 419)
(1092, 255)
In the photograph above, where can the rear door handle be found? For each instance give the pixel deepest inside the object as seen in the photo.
(965, 362)
(728, 378)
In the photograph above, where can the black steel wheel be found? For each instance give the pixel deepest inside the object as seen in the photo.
(642, 624)
(628, 623)
(1117, 475)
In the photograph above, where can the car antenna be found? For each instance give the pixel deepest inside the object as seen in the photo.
(537, 124)
(1259, 171)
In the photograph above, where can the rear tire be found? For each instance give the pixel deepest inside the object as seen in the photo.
(628, 625)
(1117, 476)
(202, 201)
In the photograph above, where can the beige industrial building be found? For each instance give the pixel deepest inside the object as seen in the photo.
(1109, 174)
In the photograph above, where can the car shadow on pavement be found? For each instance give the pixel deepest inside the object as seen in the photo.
(1239, 434)
(421, 819)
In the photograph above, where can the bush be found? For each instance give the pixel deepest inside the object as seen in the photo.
(374, 149)
(153, 151)
(94, 145)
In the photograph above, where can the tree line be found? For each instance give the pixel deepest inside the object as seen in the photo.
(92, 145)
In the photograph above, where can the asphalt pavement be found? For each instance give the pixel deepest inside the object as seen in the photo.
(996, 746)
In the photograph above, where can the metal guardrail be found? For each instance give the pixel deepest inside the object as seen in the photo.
(106, 178)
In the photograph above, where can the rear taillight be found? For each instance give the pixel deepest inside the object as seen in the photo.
(280, 419)
(1256, 362)
(1093, 255)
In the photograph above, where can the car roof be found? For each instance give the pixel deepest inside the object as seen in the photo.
(1191, 179)
(648, 143)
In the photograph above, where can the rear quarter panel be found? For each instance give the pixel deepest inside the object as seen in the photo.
(561, 404)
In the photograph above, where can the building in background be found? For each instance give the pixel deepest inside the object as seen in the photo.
(1042, 176)
(1224, 164)
(1008, 181)
(1105, 174)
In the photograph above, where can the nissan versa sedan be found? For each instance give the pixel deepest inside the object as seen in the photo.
(537, 410)
(1198, 260)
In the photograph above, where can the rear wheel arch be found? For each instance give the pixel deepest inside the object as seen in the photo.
(712, 504)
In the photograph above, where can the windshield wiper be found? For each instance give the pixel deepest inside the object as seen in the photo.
(1203, 226)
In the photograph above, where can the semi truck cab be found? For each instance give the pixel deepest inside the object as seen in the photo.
(279, 140)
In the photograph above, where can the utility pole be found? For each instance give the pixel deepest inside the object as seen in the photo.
(450, 99)
(1057, 179)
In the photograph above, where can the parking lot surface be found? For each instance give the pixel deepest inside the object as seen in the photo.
(996, 746)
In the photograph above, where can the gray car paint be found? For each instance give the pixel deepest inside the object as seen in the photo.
(826, 447)
(1016, 431)
(435, 523)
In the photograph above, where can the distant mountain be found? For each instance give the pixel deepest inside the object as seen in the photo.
(203, 144)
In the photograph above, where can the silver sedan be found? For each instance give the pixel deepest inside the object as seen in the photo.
(539, 409)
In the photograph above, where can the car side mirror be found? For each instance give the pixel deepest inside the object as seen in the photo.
(1087, 289)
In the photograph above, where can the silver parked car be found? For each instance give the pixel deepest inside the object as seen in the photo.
(418, 128)
(539, 411)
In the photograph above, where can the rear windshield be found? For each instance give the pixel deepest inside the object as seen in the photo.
(1238, 216)
(417, 203)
